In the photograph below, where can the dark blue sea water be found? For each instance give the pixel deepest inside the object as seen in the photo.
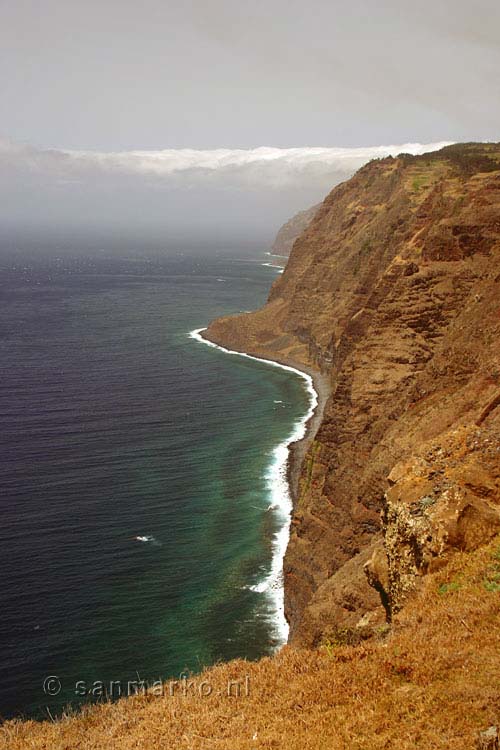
(116, 425)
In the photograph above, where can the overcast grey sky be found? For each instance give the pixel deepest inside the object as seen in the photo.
(119, 76)
(122, 74)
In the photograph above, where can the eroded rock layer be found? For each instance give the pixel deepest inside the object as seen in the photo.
(393, 294)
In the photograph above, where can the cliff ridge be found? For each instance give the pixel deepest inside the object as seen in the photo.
(392, 293)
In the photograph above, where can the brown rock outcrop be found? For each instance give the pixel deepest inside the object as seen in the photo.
(393, 294)
(444, 499)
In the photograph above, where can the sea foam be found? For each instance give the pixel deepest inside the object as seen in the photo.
(278, 269)
(272, 585)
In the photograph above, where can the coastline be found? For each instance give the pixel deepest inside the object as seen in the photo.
(284, 472)
(298, 448)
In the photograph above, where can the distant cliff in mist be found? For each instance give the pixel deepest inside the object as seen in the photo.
(292, 229)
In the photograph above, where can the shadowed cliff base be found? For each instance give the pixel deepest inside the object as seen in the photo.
(391, 293)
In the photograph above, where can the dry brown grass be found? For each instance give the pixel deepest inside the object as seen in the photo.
(434, 683)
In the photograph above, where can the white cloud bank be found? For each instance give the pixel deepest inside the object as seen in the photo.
(262, 167)
(173, 194)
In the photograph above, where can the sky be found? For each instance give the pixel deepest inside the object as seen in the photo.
(181, 119)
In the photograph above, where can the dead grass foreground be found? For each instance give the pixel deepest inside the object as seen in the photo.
(434, 683)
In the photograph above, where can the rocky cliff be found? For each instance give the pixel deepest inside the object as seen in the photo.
(292, 229)
(392, 293)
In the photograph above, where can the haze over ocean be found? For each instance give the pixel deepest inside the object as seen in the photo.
(134, 496)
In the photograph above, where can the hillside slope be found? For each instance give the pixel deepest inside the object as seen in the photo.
(393, 293)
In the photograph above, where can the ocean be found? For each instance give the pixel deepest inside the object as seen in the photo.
(143, 502)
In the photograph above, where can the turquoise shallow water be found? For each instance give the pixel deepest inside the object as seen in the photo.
(135, 525)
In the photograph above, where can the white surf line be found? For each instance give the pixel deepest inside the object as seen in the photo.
(280, 496)
(276, 255)
(280, 269)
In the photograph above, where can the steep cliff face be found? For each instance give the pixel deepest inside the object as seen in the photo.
(292, 229)
(393, 294)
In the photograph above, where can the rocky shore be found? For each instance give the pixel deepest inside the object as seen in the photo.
(322, 387)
